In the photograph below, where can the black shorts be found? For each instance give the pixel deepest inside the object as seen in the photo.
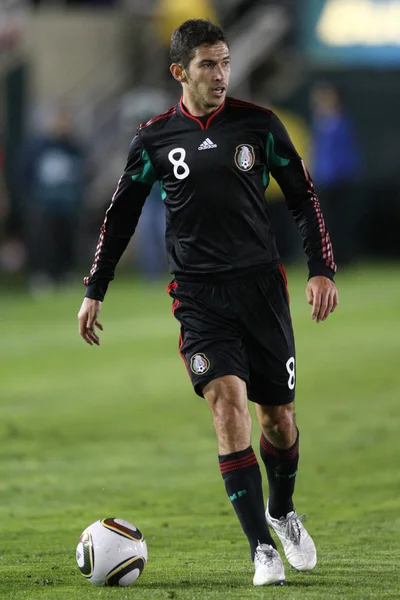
(239, 328)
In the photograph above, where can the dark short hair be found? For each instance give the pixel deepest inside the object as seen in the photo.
(192, 34)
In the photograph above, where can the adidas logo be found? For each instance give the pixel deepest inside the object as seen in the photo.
(207, 144)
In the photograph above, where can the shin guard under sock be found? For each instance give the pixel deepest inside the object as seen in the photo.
(243, 484)
(281, 466)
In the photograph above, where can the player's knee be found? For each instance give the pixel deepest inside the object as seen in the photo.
(231, 415)
(279, 420)
(228, 407)
(224, 392)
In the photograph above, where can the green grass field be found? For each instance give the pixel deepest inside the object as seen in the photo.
(88, 433)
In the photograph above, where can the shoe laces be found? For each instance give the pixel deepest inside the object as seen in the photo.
(264, 554)
(291, 525)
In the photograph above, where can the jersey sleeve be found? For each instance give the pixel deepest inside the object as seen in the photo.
(289, 170)
(121, 218)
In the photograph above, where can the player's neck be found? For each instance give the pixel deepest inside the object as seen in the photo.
(195, 109)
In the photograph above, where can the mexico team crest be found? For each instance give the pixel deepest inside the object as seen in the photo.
(199, 364)
(244, 157)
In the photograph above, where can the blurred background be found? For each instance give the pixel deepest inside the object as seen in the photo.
(78, 76)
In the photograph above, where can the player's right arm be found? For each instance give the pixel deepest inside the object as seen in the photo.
(118, 227)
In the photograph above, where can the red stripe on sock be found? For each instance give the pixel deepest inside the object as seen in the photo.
(283, 454)
(236, 465)
(238, 460)
(240, 463)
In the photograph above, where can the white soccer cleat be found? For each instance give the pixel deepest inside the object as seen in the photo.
(298, 545)
(269, 566)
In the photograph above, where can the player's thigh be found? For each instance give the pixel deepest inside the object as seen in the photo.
(211, 344)
(272, 372)
(209, 358)
(270, 345)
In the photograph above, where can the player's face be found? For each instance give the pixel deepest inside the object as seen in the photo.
(207, 76)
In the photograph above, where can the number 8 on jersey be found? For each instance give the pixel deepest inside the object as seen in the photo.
(179, 164)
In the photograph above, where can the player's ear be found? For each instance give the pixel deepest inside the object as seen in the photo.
(178, 72)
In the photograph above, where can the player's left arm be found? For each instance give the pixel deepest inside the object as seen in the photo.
(289, 170)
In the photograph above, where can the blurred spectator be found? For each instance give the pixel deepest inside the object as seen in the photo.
(3, 195)
(12, 253)
(90, 3)
(51, 183)
(238, 10)
(150, 252)
(74, 3)
(335, 168)
(171, 13)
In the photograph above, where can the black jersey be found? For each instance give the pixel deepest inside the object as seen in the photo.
(213, 173)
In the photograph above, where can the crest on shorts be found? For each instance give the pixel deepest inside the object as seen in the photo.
(244, 157)
(199, 364)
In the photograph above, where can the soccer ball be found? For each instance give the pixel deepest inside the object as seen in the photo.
(111, 552)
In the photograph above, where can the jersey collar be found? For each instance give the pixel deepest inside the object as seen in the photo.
(194, 120)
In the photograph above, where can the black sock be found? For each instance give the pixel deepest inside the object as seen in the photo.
(281, 466)
(242, 478)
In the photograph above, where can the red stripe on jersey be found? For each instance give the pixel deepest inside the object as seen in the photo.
(169, 113)
(215, 113)
(243, 104)
(101, 238)
(206, 126)
(172, 286)
(283, 273)
(187, 114)
(181, 353)
(327, 252)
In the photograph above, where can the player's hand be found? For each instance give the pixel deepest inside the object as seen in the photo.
(87, 318)
(322, 293)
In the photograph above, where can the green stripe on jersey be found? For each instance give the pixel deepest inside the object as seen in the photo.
(163, 192)
(147, 174)
(273, 159)
(265, 177)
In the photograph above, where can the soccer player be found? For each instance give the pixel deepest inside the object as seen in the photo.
(213, 156)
